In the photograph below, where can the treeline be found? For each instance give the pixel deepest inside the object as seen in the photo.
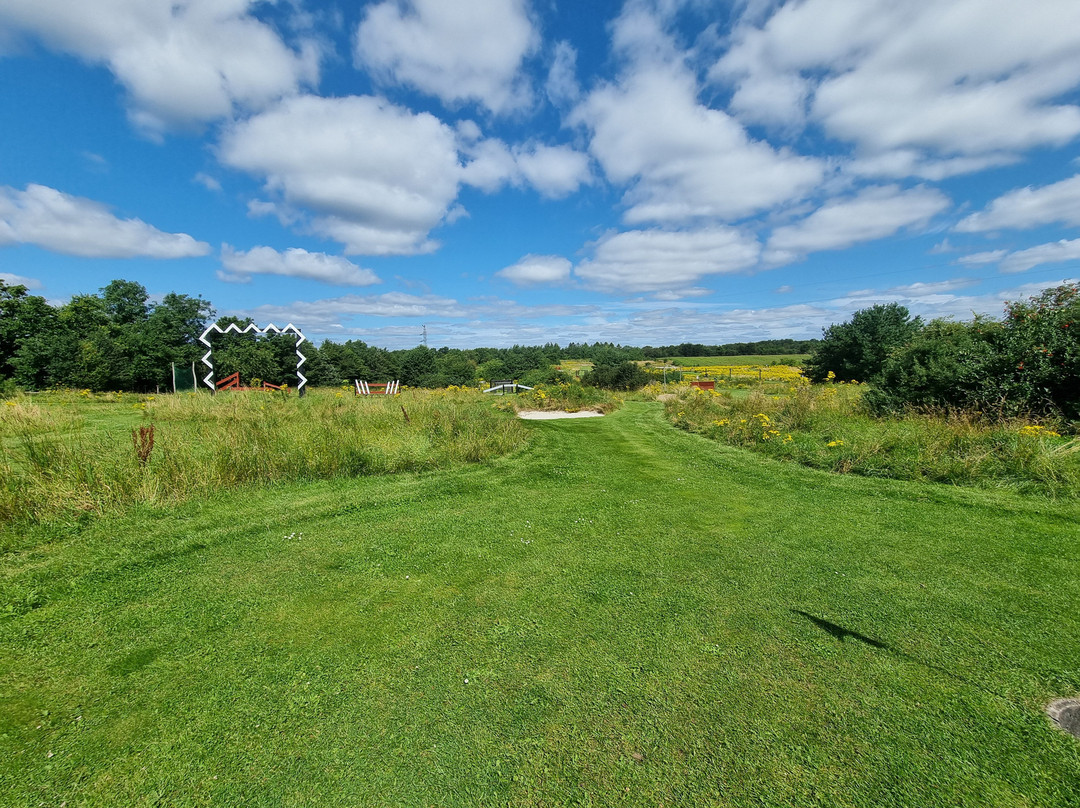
(115, 340)
(119, 339)
(768, 347)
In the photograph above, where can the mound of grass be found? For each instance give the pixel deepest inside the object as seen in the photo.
(621, 614)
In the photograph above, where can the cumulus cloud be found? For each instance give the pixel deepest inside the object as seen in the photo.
(376, 176)
(666, 260)
(74, 225)
(682, 160)
(294, 263)
(1053, 253)
(954, 78)
(1029, 207)
(871, 214)
(553, 171)
(182, 61)
(457, 52)
(537, 269)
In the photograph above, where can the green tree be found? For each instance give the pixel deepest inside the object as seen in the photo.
(25, 319)
(418, 367)
(857, 350)
(617, 376)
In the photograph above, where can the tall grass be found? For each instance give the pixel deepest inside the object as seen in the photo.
(569, 397)
(826, 427)
(54, 467)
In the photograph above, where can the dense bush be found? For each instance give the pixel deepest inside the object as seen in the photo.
(943, 367)
(618, 376)
(1026, 364)
(857, 350)
(1037, 362)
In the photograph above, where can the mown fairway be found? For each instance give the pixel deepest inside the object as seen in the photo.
(620, 614)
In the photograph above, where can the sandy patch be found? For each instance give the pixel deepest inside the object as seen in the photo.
(551, 415)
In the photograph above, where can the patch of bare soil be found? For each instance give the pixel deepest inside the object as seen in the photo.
(551, 415)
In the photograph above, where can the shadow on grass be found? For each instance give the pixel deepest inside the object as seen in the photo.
(840, 633)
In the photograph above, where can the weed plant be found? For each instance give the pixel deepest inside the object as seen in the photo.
(61, 461)
(827, 427)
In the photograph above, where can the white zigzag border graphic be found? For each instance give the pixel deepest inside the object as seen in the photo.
(208, 380)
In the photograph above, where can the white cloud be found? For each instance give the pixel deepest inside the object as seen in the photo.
(553, 171)
(979, 258)
(954, 78)
(666, 260)
(562, 84)
(74, 225)
(12, 279)
(491, 165)
(293, 262)
(321, 316)
(181, 61)
(537, 269)
(1029, 207)
(901, 163)
(377, 176)
(1053, 253)
(206, 181)
(681, 159)
(455, 51)
(918, 290)
(871, 214)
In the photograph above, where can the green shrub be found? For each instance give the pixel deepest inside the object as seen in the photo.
(620, 376)
(857, 350)
(944, 367)
(1026, 365)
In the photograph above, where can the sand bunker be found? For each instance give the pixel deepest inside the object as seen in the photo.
(551, 415)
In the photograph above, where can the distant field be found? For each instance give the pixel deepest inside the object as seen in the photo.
(575, 366)
(766, 359)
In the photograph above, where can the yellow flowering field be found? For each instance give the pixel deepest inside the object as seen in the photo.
(765, 373)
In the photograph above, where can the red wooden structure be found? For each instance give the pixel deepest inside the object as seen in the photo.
(232, 382)
(710, 385)
(368, 389)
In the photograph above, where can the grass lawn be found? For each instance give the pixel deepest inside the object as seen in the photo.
(620, 614)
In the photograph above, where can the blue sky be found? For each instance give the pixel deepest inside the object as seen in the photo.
(526, 171)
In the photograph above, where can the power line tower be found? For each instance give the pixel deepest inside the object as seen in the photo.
(425, 336)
